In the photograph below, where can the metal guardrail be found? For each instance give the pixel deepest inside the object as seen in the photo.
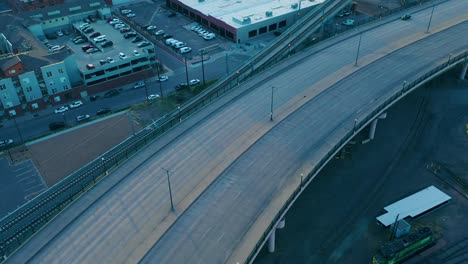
(17, 227)
(317, 168)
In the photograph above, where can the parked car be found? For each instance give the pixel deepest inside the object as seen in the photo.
(163, 78)
(159, 32)
(348, 22)
(92, 50)
(79, 41)
(153, 96)
(143, 44)
(126, 11)
(103, 111)
(95, 34)
(66, 32)
(88, 30)
(151, 27)
(194, 82)
(209, 36)
(111, 93)
(61, 109)
(131, 15)
(110, 60)
(181, 86)
(405, 17)
(100, 38)
(185, 50)
(56, 125)
(136, 53)
(122, 56)
(93, 97)
(87, 47)
(119, 26)
(102, 62)
(107, 43)
(129, 35)
(59, 33)
(179, 45)
(90, 66)
(125, 29)
(82, 117)
(139, 85)
(84, 25)
(6, 142)
(76, 104)
(136, 39)
(114, 21)
(166, 36)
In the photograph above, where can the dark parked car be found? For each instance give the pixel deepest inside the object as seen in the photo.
(93, 97)
(95, 34)
(181, 86)
(103, 111)
(111, 93)
(56, 125)
(129, 35)
(136, 39)
(166, 36)
(108, 43)
(172, 14)
(125, 29)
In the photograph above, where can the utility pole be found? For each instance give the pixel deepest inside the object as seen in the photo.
(202, 51)
(169, 184)
(271, 105)
(227, 64)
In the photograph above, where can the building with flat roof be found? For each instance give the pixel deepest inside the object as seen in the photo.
(26, 5)
(242, 20)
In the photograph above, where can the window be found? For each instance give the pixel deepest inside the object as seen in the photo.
(262, 30)
(60, 70)
(229, 34)
(65, 87)
(49, 74)
(12, 71)
(282, 24)
(29, 89)
(2, 87)
(272, 27)
(54, 91)
(252, 33)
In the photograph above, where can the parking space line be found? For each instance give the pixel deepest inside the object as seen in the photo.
(28, 189)
(25, 178)
(17, 175)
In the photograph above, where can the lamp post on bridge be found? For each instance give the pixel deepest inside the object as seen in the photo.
(169, 184)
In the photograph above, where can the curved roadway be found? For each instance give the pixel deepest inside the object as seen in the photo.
(256, 163)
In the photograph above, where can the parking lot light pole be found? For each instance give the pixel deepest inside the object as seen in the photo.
(160, 83)
(169, 184)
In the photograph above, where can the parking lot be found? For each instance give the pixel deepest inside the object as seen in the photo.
(20, 182)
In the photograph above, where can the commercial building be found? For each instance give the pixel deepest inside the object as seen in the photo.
(27, 5)
(241, 21)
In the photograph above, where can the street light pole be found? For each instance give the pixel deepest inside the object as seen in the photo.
(17, 128)
(202, 51)
(169, 184)
(186, 70)
(430, 19)
(160, 83)
(271, 105)
(359, 47)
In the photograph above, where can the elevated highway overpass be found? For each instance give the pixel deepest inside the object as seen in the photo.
(231, 168)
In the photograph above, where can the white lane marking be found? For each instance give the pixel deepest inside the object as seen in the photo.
(17, 175)
(219, 239)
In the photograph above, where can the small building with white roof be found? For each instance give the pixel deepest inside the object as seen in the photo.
(242, 20)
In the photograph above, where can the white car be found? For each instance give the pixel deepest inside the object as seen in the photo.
(126, 11)
(209, 36)
(61, 109)
(159, 32)
(119, 26)
(348, 22)
(163, 78)
(84, 25)
(185, 50)
(110, 60)
(122, 56)
(5, 142)
(76, 104)
(100, 38)
(139, 85)
(131, 15)
(82, 117)
(153, 96)
(151, 27)
(194, 82)
(114, 21)
(136, 53)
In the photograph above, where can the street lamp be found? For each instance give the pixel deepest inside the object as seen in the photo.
(159, 80)
(169, 184)
(202, 51)
(186, 69)
(430, 19)
(359, 47)
(271, 105)
(355, 124)
(17, 129)
(103, 160)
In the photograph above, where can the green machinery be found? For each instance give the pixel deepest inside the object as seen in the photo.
(404, 247)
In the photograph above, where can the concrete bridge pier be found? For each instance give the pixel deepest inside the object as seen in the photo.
(271, 239)
(464, 69)
(373, 127)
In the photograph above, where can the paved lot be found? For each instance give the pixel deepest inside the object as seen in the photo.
(20, 182)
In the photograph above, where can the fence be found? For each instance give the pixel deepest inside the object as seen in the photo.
(19, 226)
(331, 153)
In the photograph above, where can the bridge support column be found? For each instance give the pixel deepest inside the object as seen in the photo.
(464, 69)
(281, 224)
(271, 241)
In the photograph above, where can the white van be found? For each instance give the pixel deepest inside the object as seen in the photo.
(100, 38)
(170, 40)
(185, 50)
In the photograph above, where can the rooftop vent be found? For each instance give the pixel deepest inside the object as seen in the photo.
(294, 6)
(268, 13)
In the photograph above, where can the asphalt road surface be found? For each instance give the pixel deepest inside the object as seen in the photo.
(256, 162)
